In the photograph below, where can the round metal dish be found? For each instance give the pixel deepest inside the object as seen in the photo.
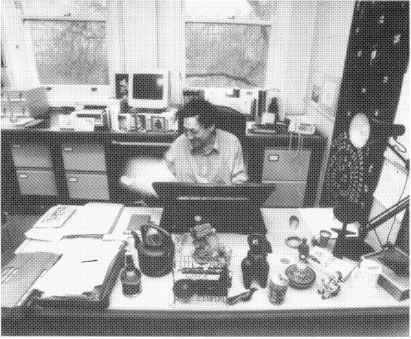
(293, 242)
(300, 278)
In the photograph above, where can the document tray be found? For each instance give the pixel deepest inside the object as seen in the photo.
(98, 299)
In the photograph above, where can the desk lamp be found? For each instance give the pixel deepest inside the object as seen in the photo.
(362, 132)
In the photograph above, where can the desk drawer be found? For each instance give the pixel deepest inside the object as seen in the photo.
(36, 182)
(283, 165)
(31, 155)
(87, 157)
(286, 194)
(89, 186)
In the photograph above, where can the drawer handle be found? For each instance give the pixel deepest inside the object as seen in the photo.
(23, 176)
(68, 149)
(16, 146)
(72, 179)
(136, 143)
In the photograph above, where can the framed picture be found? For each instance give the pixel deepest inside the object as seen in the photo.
(140, 122)
(329, 94)
(158, 124)
(121, 81)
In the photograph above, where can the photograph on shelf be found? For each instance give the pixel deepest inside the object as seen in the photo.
(158, 124)
(140, 122)
(121, 81)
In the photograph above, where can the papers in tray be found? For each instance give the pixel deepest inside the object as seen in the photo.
(83, 266)
(92, 219)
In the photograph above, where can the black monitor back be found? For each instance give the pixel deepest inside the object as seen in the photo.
(229, 208)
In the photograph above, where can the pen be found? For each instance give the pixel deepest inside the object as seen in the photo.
(89, 260)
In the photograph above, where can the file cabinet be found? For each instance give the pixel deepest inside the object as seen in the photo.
(288, 169)
(34, 168)
(85, 171)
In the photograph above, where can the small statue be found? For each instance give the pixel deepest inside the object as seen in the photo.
(331, 285)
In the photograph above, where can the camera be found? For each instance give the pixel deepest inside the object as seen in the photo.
(255, 266)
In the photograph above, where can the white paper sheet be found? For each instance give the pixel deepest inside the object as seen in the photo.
(82, 267)
(323, 219)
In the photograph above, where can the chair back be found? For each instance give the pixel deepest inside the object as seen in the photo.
(228, 119)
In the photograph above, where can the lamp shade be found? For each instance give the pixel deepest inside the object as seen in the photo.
(359, 131)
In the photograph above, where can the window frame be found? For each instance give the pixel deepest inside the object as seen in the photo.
(234, 21)
(68, 95)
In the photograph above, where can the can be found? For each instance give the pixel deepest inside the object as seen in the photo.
(277, 289)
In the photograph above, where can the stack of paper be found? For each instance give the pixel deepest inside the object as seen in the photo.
(83, 266)
(93, 219)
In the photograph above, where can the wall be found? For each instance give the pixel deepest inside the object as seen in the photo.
(331, 33)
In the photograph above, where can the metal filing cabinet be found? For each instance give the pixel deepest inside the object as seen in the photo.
(34, 169)
(288, 169)
(85, 167)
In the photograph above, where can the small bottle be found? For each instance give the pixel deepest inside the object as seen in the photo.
(304, 250)
(130, 277)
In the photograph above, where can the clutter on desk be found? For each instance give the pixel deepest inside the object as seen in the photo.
(303, 250)
(294, 222)
(321, 239)
(293, 241)
(201, 271)
(255, 266)
(136, 221)
(155, 250)
(55, 217)
(90, 220)
(19, 275)
(300, 275)
(245, 296)
(130, 277)
(277, 289)
(394, 277)
(82, 279)
(330, 285)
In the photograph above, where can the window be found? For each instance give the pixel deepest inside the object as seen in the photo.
(68, 39)
(227, 42)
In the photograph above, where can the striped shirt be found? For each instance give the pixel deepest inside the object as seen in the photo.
(222, 164)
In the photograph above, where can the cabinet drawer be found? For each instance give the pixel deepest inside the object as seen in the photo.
(93, 186)
(87, 157)
(286, 194)
(36, 182)
(31, 155)
(279, 165)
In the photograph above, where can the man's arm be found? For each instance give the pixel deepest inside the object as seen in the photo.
(170, 157)
(239, 174)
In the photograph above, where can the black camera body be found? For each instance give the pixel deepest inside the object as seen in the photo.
(255, 266)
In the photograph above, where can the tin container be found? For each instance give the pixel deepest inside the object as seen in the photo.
(277, 289)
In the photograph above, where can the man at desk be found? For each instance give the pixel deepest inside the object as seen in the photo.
(204, 153)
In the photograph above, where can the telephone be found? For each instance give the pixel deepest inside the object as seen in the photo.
(301, 127)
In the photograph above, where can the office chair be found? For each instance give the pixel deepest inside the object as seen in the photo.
(228, 119)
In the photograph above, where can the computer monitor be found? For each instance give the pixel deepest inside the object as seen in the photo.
(149, 89)
(229, 208)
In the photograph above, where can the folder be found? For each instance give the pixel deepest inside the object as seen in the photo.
(20, 274)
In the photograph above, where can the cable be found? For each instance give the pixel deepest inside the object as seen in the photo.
(393, 220)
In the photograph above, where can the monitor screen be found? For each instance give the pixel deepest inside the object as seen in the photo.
(149, 90)
(229, 208)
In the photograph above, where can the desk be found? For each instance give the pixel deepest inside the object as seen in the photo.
(377, 312)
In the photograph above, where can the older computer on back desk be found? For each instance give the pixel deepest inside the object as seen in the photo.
(228, 208)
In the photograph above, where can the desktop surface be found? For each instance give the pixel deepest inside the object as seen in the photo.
(304, 312)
